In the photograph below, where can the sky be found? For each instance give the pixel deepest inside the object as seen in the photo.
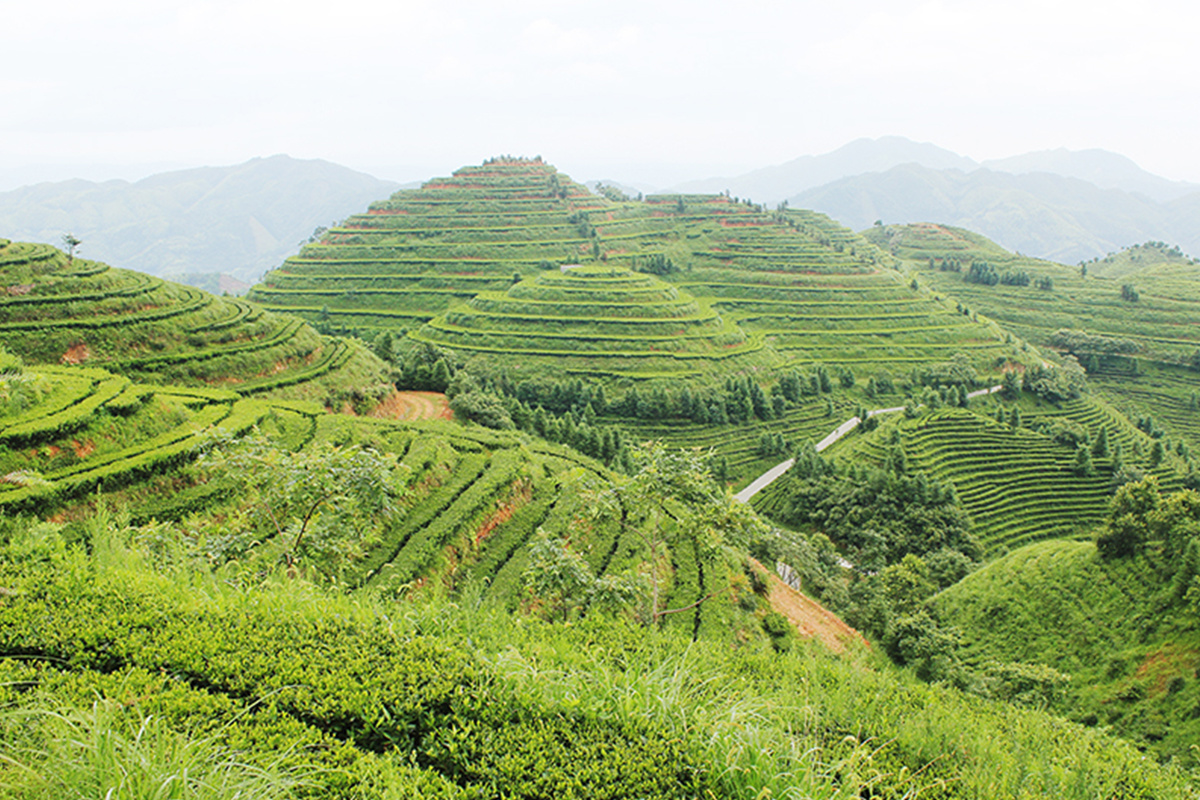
(642, 92)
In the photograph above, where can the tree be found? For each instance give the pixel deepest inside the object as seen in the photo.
(323, 504)
(557, 575)
(907, 584)
(1157, 453)
(72, 243)
(701, 513)
(1084, 468)
(1127, 526)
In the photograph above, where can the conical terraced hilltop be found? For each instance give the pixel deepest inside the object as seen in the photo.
(475, 262)
(597, 318)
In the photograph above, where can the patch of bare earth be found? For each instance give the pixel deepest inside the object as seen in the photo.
(809, 617)
(413, 405)
(76, 354)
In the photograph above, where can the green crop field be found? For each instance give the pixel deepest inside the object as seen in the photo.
(193, 513)
(476, 497)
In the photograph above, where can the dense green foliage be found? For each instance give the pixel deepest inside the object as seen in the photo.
(298, 693)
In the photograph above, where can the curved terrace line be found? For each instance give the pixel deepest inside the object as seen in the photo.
(771, 475)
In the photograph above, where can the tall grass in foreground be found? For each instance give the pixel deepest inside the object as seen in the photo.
(112, 752)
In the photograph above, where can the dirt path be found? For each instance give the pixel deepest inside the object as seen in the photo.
(810, 618)
(413, 405)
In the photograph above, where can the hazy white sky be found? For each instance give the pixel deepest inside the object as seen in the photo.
(650, 91)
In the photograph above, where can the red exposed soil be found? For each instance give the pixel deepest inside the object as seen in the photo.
(1166, 664)
(76, 354)
(522, 494)
(83, 449)
(18, 289)
(413, 405)
(810, 618)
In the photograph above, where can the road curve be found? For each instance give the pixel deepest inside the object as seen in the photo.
(769, 477)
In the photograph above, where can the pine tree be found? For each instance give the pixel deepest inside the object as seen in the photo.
(1084, 467)
(1157, 453)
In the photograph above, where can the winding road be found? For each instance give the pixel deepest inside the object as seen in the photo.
(769, 477)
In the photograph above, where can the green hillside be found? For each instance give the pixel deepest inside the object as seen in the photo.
(75, 437)
(1019, 483)
(476, 261)
(555, 594)
(1132, 654)
(1129, 318)
(67, 431)
(59, 310)
(1151, 257)
(1157, 313)
(121, 667)
(593, 320)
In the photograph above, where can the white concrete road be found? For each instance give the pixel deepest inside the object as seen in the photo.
(769, 477)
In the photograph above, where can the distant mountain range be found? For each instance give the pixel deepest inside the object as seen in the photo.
(1059, 204)
(773, 184)
(198, 224)
(1041, 214)
(193, 224)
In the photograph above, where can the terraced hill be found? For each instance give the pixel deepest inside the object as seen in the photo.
(475, 498)
(445, 261)
(1012, 461)
(54, 309)
(603, 319)
(1141, 346)
(67, 431)
(1158, 314)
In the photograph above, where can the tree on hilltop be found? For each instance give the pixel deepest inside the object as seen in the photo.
(72, 244)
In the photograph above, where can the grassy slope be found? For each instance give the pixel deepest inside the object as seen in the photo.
(1132, 656)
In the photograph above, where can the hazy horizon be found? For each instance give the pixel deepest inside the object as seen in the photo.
(655, 94)
(14, 178)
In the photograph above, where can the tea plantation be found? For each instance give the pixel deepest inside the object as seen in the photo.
(218, 580)
(57, 310)
(487, 261)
